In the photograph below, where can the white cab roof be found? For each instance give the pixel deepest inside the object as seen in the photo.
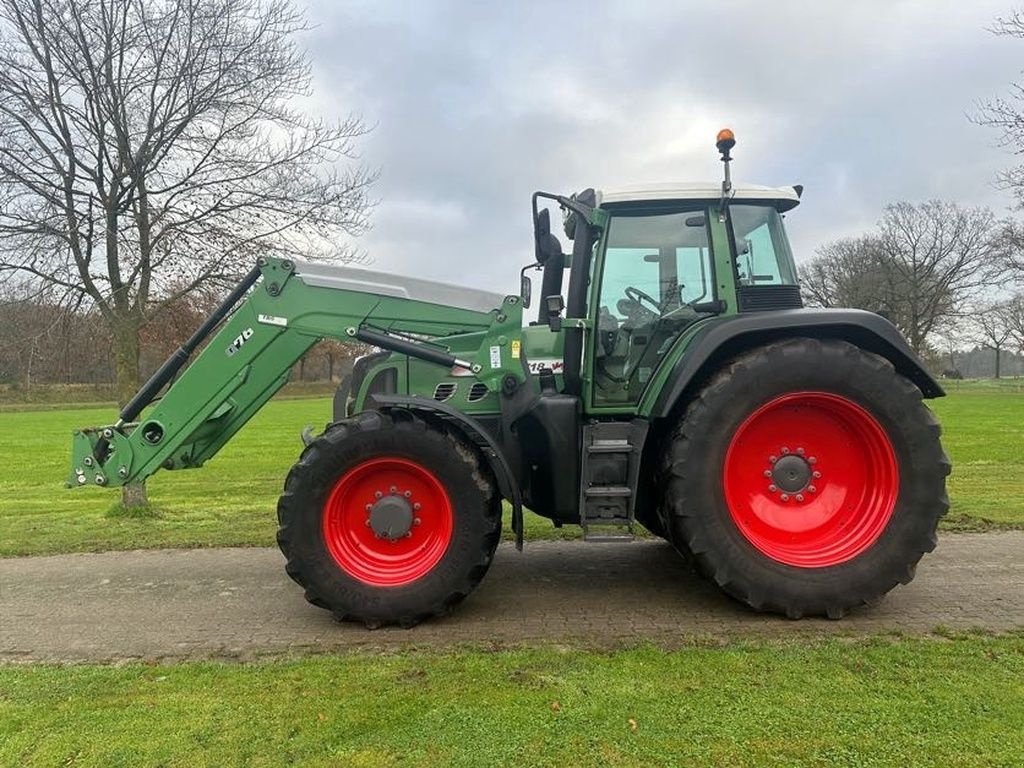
(784, 197)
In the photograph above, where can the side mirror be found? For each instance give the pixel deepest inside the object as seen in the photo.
(525, 287)
(541, 232)
(554, 306)
(546, 244)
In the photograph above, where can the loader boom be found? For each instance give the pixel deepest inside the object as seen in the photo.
(289, 306)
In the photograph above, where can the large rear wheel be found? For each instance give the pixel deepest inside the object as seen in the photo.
(806, 478)
(388, 519)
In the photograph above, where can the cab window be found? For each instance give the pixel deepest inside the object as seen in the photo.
(763, 255)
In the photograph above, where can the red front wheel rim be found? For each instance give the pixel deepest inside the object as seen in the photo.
(388, 522)
(811, 479)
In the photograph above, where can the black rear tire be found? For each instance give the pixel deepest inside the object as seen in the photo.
(334, 583)
(695, 502)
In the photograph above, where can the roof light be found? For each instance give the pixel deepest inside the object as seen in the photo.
(725, 140)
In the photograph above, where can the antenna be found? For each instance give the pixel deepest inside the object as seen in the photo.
(725, 141)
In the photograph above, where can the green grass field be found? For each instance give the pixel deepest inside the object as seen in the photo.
(231, 501)
(880, 702)
(942, 700)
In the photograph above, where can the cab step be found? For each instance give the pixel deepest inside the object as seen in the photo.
(609, 476)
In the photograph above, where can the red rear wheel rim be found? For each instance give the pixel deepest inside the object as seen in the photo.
(358, 547)
(811, 479)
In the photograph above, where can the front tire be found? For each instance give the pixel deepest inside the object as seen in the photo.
(388, 519)
(806, 478)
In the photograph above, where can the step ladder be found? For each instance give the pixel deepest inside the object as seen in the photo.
(609, 475)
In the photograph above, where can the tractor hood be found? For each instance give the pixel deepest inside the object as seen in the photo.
(398, 286)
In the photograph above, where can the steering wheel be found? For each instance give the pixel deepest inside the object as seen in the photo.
(639, 297)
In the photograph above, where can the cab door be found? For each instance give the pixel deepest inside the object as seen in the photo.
(654, 276)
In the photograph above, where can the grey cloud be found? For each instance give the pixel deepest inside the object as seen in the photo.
(478, 104)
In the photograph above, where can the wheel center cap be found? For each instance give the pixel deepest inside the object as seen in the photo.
(391, 517)
(791, 473)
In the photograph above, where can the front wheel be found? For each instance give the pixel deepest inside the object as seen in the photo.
(388, 519)
(806, 478)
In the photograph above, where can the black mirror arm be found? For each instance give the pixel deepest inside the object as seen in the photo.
(566, 202)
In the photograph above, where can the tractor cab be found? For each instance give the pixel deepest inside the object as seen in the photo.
(647, 266)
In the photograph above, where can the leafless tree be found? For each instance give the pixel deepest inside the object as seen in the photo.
(941, 256)
(1013, 314)
(1005, 114)
(993, 329)
(847, 273)
(919, 268)
(46, 341)
(949, 338)
(148, 147)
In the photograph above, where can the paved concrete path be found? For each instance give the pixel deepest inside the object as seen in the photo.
(238, 602)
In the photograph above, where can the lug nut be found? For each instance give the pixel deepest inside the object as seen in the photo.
(772, 488)
(378, 494)
(407, 494)
(816, 474)
(799, 451)
(785, 497)
(417, 505)
(772, 459)
(799, 497)
(367, 522)
(811, 460)
(394, 489)
(369, 507)
(811, 489)
(408, 534)
(767, 473)
(416, 521)
(785, 450)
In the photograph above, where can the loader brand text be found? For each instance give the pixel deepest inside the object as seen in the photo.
(240, 339)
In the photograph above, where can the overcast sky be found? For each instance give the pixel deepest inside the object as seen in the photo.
(476, 105)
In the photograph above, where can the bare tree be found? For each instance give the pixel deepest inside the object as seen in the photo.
(949, 338)
(993, 330)
(148, 147)
(920, 267)
(941, 255)
(1013, 314)
(847, 273)
(1006, 115)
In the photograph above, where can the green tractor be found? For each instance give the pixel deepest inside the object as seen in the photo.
(674, 381)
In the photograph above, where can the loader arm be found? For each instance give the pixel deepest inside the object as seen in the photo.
(280, 310)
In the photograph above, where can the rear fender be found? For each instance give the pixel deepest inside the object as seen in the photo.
(720, 341)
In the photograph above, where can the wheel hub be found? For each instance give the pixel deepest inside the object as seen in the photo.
(391, 517)
(388, 521)
(791, 473)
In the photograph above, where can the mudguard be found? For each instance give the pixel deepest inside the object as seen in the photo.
(507, 484)
(729, 336)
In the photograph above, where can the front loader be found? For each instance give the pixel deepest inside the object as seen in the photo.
(675, 381)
